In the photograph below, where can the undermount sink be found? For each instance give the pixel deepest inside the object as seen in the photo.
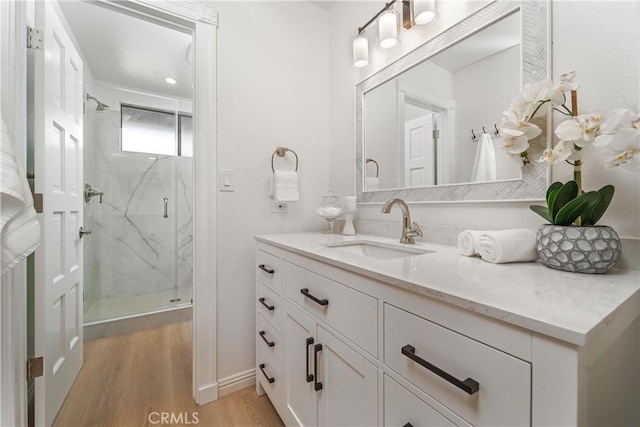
(376, 249)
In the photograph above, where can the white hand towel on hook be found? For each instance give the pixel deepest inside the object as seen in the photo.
(20, 229)
(484, 168)
(284, 186)
(516, 245)
(371, 183)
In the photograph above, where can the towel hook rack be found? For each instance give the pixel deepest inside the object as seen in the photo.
(376, 163)
(281, 151)
(492, 132)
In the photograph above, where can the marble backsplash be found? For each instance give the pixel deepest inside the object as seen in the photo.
(134, 249)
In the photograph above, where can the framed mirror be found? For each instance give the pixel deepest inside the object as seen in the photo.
(427, 125)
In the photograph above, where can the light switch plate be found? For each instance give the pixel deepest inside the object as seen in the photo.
(226, 181)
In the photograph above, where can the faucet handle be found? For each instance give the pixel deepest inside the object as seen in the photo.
(415, 228)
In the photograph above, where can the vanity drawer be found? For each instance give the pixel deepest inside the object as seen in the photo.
(503, 395)
(402, 407)
(269, 340)
(271, 376)
(268, 269)
(269, 304)
(351, 313)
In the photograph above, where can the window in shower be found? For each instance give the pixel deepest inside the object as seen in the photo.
(147, 130)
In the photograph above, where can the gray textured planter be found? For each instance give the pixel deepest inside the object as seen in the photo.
(578, 249)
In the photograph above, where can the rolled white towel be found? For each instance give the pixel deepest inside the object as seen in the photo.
(516, 245)
(468, 242)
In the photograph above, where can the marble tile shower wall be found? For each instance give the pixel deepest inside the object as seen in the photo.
(134, 250)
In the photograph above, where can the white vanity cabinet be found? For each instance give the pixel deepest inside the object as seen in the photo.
(327, 382)
(337, 345)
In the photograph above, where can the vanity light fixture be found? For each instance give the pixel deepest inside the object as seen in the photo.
(418, 12)
(170, 80)
(414, 12)
(388, 29)
(360, 51)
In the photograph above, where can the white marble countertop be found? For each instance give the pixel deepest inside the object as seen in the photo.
(571, 307)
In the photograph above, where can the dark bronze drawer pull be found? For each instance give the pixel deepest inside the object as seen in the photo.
(269, 307)
(309, 375)
(469, 385)
(269, 343)
(306, 293)
(408, 425)
(316, 349)
(266, 269)
(270, 379)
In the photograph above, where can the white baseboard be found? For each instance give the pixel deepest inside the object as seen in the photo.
(237, 382)
(207, 394)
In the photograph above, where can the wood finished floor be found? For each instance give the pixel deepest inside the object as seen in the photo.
(128, 377)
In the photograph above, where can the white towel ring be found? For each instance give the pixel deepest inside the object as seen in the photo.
(281, 151)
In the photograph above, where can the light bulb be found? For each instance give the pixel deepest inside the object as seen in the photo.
(360, 52)
(388, 29)
(424, 11)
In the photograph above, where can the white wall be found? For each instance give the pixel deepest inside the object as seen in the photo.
(604, 53)
(273, 89)
(489, 99)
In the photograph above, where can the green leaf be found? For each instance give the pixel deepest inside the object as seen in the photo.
(551, 201)
(553, 187)
(542, 211)
(592, 216)
(572, 210)
(566, 193)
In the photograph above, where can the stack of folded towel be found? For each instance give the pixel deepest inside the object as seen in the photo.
(284, 186)
(516, 245)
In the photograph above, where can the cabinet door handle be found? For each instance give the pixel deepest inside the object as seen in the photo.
(266, 269)
(269, 307)
(270, 379)
(306, 293)
(316, 349)
(269, 343)
(469, 385)
(308, 374)
(408, 425)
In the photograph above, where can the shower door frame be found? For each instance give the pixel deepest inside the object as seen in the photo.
(202, 20)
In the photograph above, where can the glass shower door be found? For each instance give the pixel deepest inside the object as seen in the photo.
(139, 256)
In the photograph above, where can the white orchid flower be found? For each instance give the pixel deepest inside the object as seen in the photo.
(515, 141)
(515, 122)
(566, 81)
(623, 124)
(627, 158)
(580, 130)
(558, 154)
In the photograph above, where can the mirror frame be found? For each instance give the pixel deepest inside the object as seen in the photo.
(535, 67)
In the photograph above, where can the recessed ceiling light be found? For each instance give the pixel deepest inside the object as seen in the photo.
(170, 80)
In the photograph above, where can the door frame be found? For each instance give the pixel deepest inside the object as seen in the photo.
(202, 19)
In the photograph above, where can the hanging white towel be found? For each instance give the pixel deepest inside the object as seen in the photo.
(515, 245)
(484, 168)
(284, 186)
(468, 242)
(371, 183)
(19, 227)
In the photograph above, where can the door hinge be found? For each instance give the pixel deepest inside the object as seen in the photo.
(35, 368)
(436, 134)
(34, 38)
(37, 202)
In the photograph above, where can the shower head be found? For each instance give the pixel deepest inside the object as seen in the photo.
(100, 106)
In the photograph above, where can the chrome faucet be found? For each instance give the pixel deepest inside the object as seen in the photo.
(409, 230)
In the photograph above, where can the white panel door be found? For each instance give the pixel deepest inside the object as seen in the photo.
(300, 340)
(58, 168)
(419, 152)
(349, 395)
